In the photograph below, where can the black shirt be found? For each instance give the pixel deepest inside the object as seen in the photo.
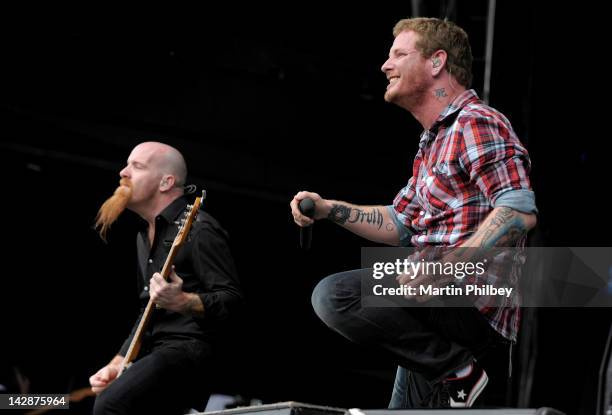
(205, 265)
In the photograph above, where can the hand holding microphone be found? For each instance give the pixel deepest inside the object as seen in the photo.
(303, 208)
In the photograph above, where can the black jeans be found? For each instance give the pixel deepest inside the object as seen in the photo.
(169, 379)
(431, 343)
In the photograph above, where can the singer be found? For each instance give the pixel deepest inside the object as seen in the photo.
(202, 292)
(469, 187)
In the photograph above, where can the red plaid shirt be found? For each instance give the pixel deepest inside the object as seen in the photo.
(468, 163)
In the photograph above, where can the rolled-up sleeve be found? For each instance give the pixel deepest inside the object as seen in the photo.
(404, 232)
(404, 210)
(497, 163)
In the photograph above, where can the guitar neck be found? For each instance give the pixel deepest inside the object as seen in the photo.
(136, 342)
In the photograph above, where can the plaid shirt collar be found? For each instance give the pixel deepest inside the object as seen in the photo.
(448, 114)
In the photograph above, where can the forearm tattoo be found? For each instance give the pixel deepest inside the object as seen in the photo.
(194, 306)
(342, 214)
(505, 229)
(374, 218)
(339, 214)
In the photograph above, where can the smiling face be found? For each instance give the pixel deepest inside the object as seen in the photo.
(407, 72)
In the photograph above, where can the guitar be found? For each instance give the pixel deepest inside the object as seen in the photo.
(179, 240)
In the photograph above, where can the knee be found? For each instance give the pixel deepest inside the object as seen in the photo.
(321, 298)
(107, 403)
(334, 296)
(100, 405)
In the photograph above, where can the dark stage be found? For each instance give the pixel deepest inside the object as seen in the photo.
(263, 102)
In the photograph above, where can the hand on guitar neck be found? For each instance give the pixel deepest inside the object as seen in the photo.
(170, 295)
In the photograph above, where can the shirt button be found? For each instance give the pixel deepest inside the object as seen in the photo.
(146, 288)
(150, 261)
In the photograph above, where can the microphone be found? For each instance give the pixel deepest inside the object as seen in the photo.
(307, 208)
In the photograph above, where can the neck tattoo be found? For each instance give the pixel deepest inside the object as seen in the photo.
(440, 93)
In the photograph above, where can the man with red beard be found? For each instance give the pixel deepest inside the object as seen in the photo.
(201, 294)
(469, 188)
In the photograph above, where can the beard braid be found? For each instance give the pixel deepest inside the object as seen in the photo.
(112, 208)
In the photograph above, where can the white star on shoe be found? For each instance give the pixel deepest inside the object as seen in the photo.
(461, 394)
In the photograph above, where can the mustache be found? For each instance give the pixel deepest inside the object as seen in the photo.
(113, 207)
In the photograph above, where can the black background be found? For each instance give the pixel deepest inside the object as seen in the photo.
(263, 102)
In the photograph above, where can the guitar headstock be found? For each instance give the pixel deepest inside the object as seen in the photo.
(188, 218)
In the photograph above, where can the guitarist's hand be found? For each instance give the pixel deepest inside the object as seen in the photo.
(103, 378)
(169, 294)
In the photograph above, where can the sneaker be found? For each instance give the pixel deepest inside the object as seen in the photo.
(463, 391)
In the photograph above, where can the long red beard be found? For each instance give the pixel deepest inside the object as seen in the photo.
(113, 206)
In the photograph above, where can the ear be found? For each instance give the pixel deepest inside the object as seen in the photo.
(166, 183)
(438, 61)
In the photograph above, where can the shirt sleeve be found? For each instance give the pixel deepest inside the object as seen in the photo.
(497, 163)
(215, 267)
(403, 210)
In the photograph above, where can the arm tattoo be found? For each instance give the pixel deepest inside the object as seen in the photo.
(505, 229)
(339, 214)
(373, 218)
(342, 214)
(194, 306)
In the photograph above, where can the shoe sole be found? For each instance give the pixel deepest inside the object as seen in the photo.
(477, 389)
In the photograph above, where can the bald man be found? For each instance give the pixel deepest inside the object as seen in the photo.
(202, 290)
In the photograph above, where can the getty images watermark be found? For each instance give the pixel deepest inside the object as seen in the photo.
(428, 274)
(501, 277)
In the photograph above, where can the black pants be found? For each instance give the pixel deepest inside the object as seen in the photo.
(431, 343)
(170, 379)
